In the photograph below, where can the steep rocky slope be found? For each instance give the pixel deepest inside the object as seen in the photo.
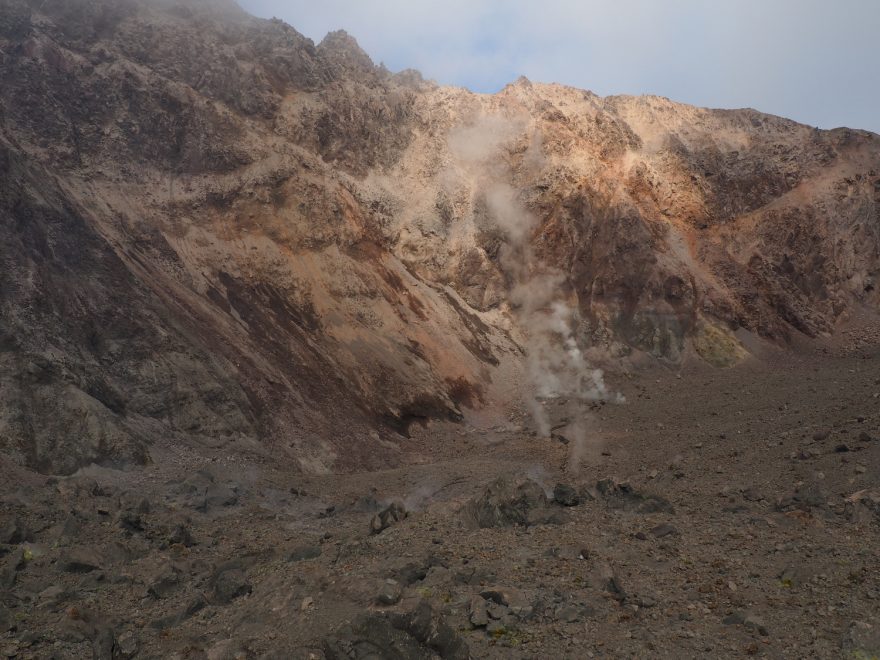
(216, 232)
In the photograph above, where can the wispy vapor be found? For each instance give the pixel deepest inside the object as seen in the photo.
(556, 367)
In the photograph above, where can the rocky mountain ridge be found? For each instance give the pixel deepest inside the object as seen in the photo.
(218, 232)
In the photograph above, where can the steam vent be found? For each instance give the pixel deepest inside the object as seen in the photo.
(301, 358)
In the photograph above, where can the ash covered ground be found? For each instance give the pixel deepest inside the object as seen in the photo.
(722, 513)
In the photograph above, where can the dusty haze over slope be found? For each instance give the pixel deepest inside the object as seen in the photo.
(216, 232)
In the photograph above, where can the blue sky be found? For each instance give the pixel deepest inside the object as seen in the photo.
(816, 61)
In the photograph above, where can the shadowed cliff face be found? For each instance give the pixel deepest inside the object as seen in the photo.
(216, 231)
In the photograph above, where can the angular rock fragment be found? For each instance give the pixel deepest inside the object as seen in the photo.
(863, 506)
(747, 620)
(181, 535)
(14, 532)
(508, 502)
(477, 612)
(862, 640)
(79, 560)
(202, 492)
(431, 630)
(419, 634)
(663, 529)
(229, 584)
(164, 582)
(607, 580)
(623, 495)
(393, 513)
(805, 497)
(565, 495)
(389, 593)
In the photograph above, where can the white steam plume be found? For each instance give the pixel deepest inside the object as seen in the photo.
(556, 367)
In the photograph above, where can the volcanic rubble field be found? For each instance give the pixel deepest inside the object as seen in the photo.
(716, 513)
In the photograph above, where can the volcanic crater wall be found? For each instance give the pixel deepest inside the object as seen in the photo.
(218, 232)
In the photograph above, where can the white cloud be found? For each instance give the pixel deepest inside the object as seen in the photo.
(811, 60)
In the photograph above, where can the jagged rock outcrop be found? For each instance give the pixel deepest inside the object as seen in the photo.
(216, 231)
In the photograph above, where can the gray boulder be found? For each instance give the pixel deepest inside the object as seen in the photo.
(509, 502)
(390, 515)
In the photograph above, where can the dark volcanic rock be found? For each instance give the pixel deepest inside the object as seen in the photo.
(747, 620)
(14, 532)
(622, 495)
(389, 593)
(229, 584)
(414, 635)
(507, 502)
(565, 495)
(371, 636)
(165, 582)
(182, 535)
(863, 506)
(431, 630)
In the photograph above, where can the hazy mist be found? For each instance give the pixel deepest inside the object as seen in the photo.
(810, 60)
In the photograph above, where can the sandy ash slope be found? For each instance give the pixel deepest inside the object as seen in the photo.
(274, 320)
(718, 513)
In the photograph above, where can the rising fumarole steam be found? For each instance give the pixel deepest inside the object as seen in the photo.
(556, 367)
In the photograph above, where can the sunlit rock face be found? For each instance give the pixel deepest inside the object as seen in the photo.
(216, 231)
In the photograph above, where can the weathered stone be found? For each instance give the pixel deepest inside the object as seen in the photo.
(79, 560)
(623, 495)
(228, 585)
(370, 637)
(128, 644)
(432, 631)
(862, 640)
(508, 502)
(393, 513)
(389, 593)
(165, 582)
(419, 634)
(478, 614)
(568, 613)
(663, 529)
(565, 495)
(747, 620)
(608, 581)
(507, 596)
(14, 532)
(181, 535)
